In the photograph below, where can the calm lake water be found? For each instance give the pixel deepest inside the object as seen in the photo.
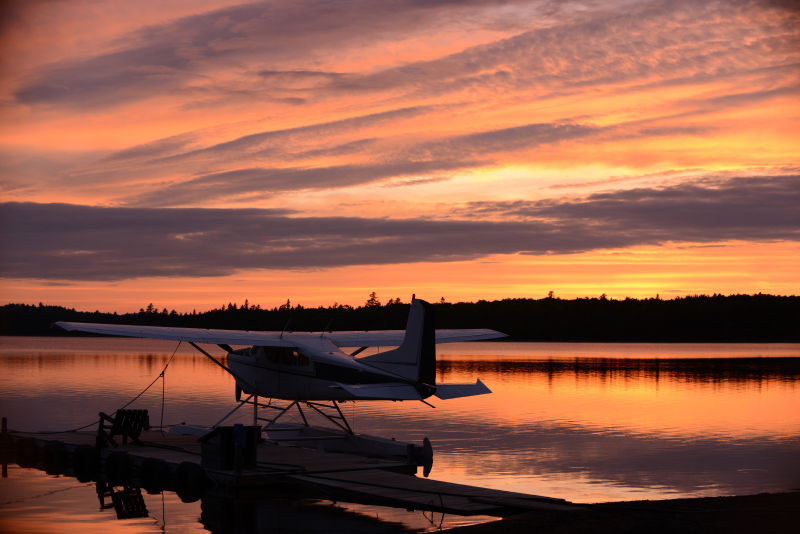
(580, 421)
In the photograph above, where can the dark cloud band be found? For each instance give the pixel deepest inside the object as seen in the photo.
(61, 241)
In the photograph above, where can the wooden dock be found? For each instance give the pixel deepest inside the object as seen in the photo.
(175, 460)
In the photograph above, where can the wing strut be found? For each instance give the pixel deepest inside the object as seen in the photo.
(213, 359)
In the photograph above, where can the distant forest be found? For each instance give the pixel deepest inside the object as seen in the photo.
(734, 318)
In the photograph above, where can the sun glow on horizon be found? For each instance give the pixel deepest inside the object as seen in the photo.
(639, 272)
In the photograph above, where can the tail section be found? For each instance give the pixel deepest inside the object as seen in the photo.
(415, 358)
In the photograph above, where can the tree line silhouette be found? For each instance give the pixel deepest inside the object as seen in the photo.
(701, 318)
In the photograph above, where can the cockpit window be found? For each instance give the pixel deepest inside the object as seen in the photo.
(283, 356)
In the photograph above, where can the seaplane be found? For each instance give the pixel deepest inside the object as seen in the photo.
(305, 368)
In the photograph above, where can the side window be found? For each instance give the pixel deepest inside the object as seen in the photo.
(272, 354)
(289, 356)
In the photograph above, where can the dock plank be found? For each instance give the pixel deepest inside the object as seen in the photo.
(400, 497)
(446, 496)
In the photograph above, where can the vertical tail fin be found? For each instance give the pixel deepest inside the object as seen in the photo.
(415, 358)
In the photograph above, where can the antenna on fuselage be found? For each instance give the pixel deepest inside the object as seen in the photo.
(289, 320)
(288, 308)
(327, 327)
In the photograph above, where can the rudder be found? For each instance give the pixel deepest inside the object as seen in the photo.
(415, 358)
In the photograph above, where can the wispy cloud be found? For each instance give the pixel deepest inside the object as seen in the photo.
(420, 160)
(272, 140)
(642, 41)
(182, 53)
(265, 181)
(631, 43)
(381, 115)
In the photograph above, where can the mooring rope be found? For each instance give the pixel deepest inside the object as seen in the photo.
(160, 375)
(164, 385)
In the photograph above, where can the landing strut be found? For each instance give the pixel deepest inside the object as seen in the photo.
(329, 410)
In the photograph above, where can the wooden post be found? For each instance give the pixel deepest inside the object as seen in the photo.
(255, 410)
(238, 457)
(5, 430)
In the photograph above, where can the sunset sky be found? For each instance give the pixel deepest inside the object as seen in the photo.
(197, 152)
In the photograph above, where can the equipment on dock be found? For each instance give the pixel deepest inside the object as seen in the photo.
(125, 423)
(230, 447)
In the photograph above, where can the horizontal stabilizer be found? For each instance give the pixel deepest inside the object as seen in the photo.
(386, 391)
(453, 391)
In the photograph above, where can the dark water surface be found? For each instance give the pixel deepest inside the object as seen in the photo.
(580, 421)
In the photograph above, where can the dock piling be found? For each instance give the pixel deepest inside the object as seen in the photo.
(4, 443)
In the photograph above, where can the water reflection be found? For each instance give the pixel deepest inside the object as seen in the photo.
(36, 503)
(707, 370)
(613, 423)
(227, 514)
(661, 465)
(126, 500)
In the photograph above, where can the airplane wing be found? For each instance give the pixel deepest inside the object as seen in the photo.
(198, 335)
(389, 338)
(383, 338)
